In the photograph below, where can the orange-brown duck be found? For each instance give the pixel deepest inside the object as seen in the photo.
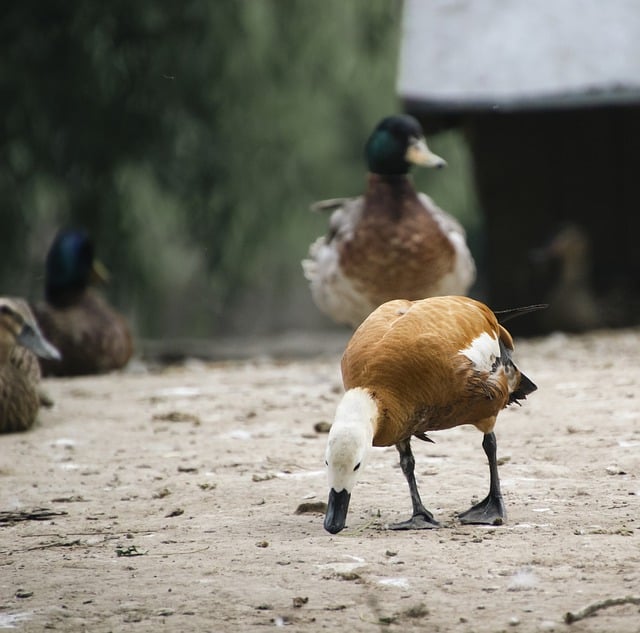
(392, 242)
(92, 337)
(413, 368)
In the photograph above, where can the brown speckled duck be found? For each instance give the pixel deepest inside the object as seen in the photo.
(392, 242)
(91, 336)
(20, 339)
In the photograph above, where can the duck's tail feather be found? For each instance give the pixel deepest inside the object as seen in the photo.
(524, 388)
(511, 313)
(324, 206)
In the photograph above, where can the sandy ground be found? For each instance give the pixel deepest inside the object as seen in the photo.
(178, 487)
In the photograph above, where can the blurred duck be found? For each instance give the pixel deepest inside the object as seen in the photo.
(91, 336)
(20, 339)
(572, 303)
(392, 242)
(416, 367)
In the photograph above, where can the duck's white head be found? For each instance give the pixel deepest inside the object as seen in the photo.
(347, 449)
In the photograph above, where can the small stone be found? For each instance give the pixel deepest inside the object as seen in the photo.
(165, 612)
(312, 507)
(266, 477)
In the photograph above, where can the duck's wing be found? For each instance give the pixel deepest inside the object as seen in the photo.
(447, 222)
(345, 215)
(26, 362)
(332, 291)
(324, 206)
(91, 336)
(463, 274)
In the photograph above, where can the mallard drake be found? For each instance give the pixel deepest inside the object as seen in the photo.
(416, 367)
(20, 339)
(91, 336)
(392, 242)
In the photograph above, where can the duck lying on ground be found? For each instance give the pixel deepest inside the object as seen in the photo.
(20, 339)
(91, 336)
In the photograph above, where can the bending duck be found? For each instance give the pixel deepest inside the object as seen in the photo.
(392, 242)
(19, 369)
(416, 367)
(91, 336)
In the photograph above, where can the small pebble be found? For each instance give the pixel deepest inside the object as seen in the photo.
(266, 477)
(312, 507)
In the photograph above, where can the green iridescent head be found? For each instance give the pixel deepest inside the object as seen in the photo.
(395, 144)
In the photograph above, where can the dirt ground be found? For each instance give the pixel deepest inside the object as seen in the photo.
(177, 491)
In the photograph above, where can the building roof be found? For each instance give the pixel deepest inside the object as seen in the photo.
(461, 55)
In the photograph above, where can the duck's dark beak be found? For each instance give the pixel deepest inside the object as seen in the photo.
(419, 154)
(31, 338)
(337, 507)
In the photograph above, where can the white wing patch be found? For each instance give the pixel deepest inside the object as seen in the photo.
(482, 351)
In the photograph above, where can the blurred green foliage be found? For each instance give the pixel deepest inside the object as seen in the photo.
(189, 139)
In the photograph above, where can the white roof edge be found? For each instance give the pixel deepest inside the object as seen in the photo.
(512, 54)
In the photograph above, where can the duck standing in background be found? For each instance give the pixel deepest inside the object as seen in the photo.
(91, 336)
(573, 305)
(392, 242)
(416, 367)
(20, 339)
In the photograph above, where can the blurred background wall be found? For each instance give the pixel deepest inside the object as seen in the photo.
(548, 97)
(189, 139)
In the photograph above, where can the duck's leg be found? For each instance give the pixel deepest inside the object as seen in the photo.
(491, 509)
(422, 519)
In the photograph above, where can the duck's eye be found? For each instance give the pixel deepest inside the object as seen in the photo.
(326, 463)
(356, 466)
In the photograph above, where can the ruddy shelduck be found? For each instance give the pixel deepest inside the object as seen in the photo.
(392, 242)
(416, 367)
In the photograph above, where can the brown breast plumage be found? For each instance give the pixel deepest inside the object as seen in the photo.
(398, 248)
(90, 335)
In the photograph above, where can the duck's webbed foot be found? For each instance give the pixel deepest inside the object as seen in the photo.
(490, 511)
(422, 521)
